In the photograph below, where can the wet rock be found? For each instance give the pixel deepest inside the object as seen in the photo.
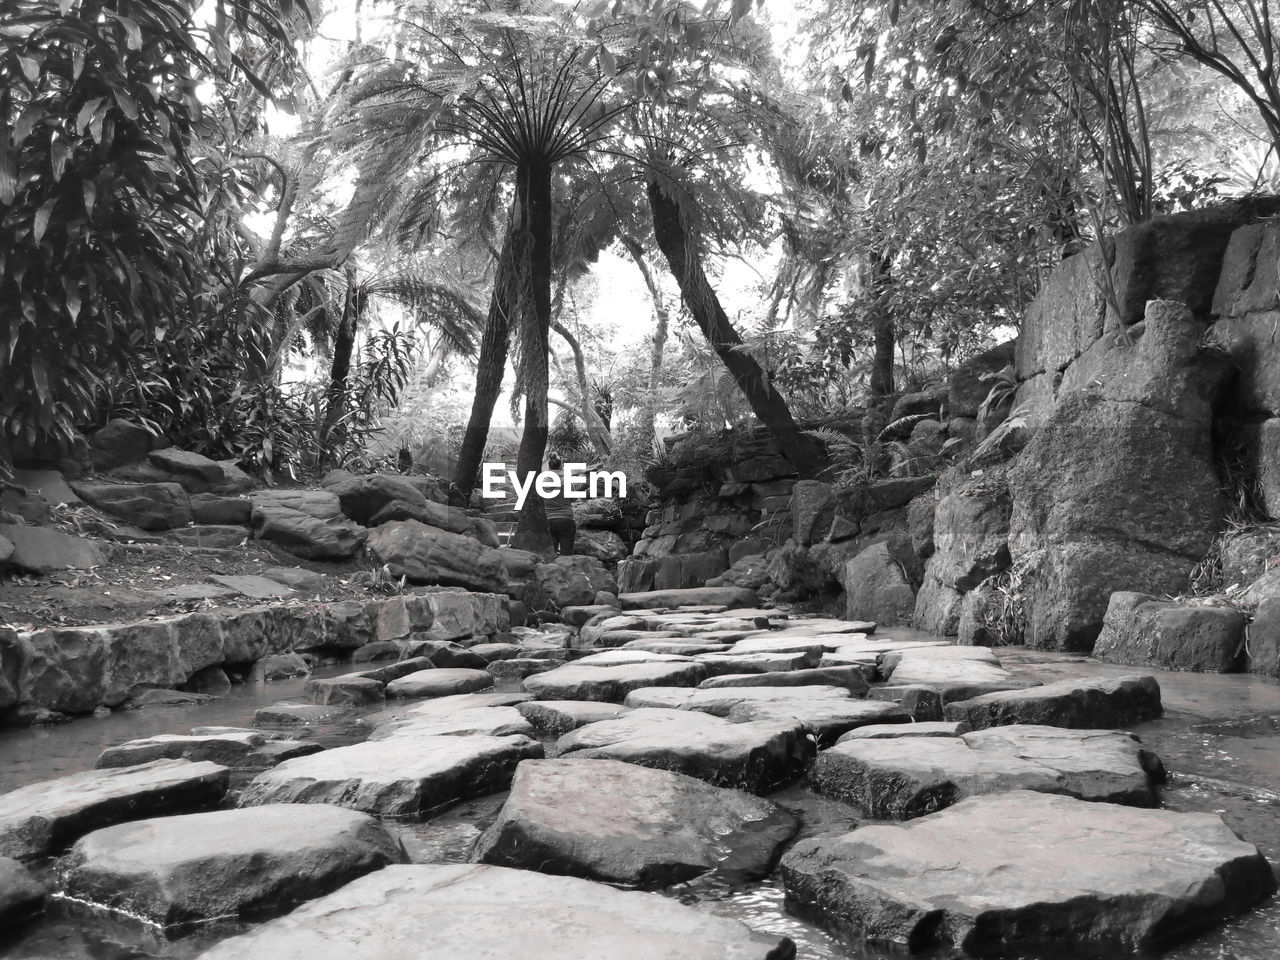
(755, 757)
(429, 555)
(626, 824)
(280, 666)
(307, 523)
(464, 701)
(148, 506)
(900, 779)
(21, 894)
(719, 702)
(476, 912)
(823, 720)
(922, 703)
(518, 668)
(162, 697)
(278, 751)
(228, 749)
(852, 679)
(350, 689)
(610, 683)
(732, 662)
(41, 551)
(729, 597)
(1101, 874)
(440, 682)
(484, 721)
(673, 645)
(289, 714)
(42, 818)
(396, 670)
(558, 717)
(1083, 704)
(1140, 630)
(210, 508)
(954, 677)
(896, 731)
(401, 776)
(257, 862)
(489, 652)
(577, 616)
(442, 653)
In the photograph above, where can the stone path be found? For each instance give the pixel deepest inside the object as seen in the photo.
(646, 762)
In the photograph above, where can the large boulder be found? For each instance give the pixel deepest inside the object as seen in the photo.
(612, 684)
(1118, 489)
(148, 506)
(230, 749)
(1143, 631)
(967, 387)
(876, 587)
(40, 819)
(363, 497)
(1082, 704)
(429, 555)
(603, 545)
(1028, 871)
(477, 912)
(21, 894)
(118, 443)
(971, 531)
(40, 551)
(199, 474)
(307, 523)
(630, 825)
(260, 861)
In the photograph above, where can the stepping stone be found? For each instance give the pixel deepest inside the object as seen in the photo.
(558, 717)
(720, 702)
(464, 701)
(486, 721)
(280, 666)
(278, 751)
(440, 682)
(825, 625)
(909, 778)
(732, 662)
(396, 670)
(852, 679)
(923, 703)
(21, 894)
(1085, 704)
(518, 668)
(611, 684)
(260, 861)
(725, 597)
(618, 658)
(681, 648)
(214, 731)
(42, 818)
(811, 647)
(445, 653)
(477, 912)
(630, 825)
(825, 720)
(1021, 870)
(755, 757)
(953, 678)
(401, 776)
(289, 714)
(228, 749)
(896, 731)
(353, 689)
(889, 659)
(490, 652)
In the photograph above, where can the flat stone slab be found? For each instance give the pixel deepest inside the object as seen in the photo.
(40, 550)
(852, 679)
(259, 588)
(755, 757)
(725, 597)
(896, 731)
(619, 658)
(762, 662)
(484, 721)
(440, 682)
(890, 658)
(900, 779)
(350, 689)
(478, 912)
(1084, 704)
(517, 668)
(612, 684)
(258, 862)
(21, 894)
(953, 677)
(558, 717)
(825, 720)
(811, 647)
(685, 648)
(401, 776)
(44, 817)
(631, 825)
(464, 701)
(395, 670)
(1023, 870)
(719, 702)
(228, 749)
(296, 714)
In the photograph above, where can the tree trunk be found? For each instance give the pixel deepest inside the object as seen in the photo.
(662, 321)
(769, 406)
(882, 328)
(492, 363)
(597, 429)
(344, 344)
(533, 192)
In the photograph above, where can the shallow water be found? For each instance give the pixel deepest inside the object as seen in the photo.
(1219, 739)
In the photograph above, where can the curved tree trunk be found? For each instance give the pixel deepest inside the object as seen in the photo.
(490, 366)
(533, 191)
(597, 429)
(662, 318)
(769, 406)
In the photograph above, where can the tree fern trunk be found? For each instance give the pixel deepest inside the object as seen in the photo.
(533, 191)
(344, 344)
(881, 328)
(491, 364)
(769, 406)
(648, 411)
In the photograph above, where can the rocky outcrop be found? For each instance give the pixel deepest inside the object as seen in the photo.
(429, 555)
(1102, 874)
(876, 587)
(260, 861)
(1141, 508)
(474, 912)
(307, 523)
(148, 506)
(630, 825)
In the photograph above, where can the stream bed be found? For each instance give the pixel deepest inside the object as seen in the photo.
(1219, 740)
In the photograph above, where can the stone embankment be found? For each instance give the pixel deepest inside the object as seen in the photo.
(647, 753)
